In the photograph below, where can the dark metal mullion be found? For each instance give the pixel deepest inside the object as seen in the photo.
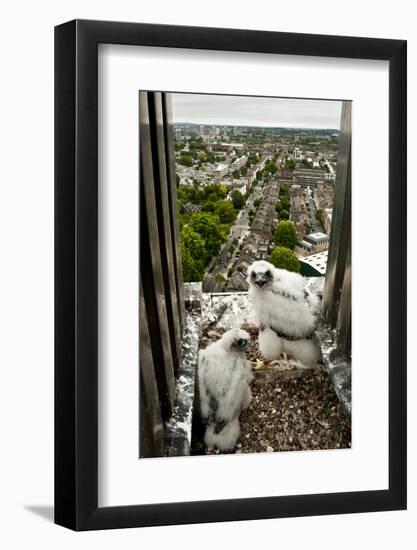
(344, 321)
(152, 278)
(172, 197)
(163, 213)
(146, 441)
(151, 417)
(341, 223)
(151, 307)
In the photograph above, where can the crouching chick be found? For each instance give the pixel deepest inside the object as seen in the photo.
(224, 377)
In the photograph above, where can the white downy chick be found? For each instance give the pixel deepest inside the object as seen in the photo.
(224, 375)
(286, 314)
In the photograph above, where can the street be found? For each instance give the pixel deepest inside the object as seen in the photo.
(315, 225)
(221, 263)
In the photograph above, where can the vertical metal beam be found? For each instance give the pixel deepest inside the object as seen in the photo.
(150, 418)
(151, 268)
(172, 197)
(164, 220)
(344, 320)
(341, 223)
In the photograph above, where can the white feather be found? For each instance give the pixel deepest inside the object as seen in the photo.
(226, 439)
(306, 351)
(270, 344)
(289, 283)
(291, 317)
(314, 303)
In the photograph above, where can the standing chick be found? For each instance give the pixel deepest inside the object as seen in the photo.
(224, 376)
(286, 314)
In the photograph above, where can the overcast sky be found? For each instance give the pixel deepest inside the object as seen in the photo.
(256, 111)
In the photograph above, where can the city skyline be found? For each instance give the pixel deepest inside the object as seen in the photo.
(263, 112)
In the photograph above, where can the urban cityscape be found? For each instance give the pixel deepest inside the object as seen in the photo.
(247, 193)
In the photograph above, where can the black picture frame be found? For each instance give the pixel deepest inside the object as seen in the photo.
(76, 270)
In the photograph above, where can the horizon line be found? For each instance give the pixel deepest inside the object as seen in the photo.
(257, 126)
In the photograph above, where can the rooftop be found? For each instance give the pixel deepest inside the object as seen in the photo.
(318, 236)
(317, 261)
(305, 244)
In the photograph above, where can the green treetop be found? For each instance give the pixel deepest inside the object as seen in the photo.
(209, 227)
(284, 258)
(238, 200)
(224, 209)
(285, 234)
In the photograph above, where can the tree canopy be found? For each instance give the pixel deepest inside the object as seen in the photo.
(208, 225)
(319, 215)
(238, 199)
(284, 258)
(202, 233)
(285, 234)
(192, 269)
(289, 165)
(185, 160)
(270, 166)
(225, 211)
(194, 242)
(284, 200)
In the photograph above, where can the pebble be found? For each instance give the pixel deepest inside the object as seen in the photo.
(288, 413)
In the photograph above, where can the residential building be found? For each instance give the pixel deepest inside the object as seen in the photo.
(220, 171)
(312, 243)
(239, 163)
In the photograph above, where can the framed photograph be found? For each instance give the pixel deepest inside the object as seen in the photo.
(230, 284)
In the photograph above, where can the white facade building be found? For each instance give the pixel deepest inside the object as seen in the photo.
(221, 170)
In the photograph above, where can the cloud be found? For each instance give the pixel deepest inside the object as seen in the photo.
(256, 111)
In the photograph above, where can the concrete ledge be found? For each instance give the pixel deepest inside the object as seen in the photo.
(178, 427)
(338, 368)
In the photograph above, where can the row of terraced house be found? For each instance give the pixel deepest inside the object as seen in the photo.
(256, 244)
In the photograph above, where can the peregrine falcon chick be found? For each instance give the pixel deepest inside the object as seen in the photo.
(286, 313)
(224, 377)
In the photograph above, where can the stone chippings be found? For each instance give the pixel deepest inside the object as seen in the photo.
(294, 414)
(293, 408)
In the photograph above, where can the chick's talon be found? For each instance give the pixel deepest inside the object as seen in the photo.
(258, 365)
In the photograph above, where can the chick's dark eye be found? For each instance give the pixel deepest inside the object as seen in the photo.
(268, 273)
(241, 342)
(253, 275)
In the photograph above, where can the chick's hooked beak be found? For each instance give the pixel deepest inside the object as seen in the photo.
(261, 280)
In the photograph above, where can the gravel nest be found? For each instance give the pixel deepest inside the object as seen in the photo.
(294, 414)
(289, 411)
